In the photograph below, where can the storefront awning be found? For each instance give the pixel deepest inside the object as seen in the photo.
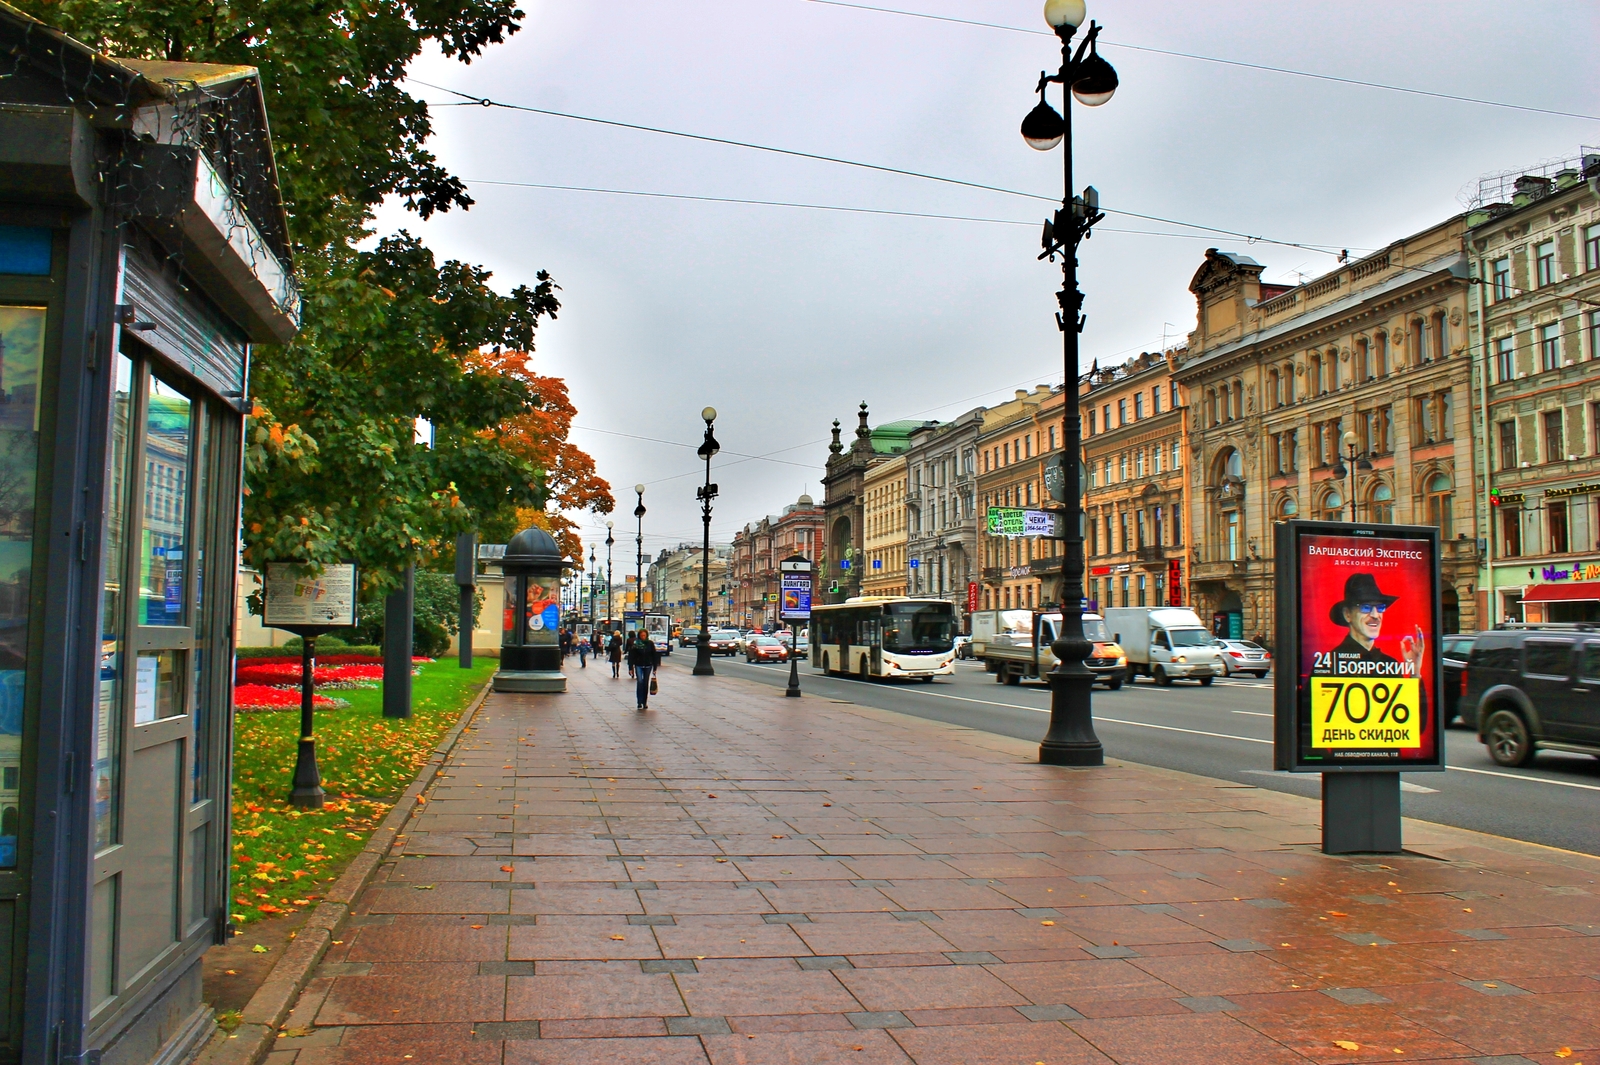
(1577, 591)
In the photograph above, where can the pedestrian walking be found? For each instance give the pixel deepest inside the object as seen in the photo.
(566, 642)
(583, 652)
(614, 652)
(643, 658)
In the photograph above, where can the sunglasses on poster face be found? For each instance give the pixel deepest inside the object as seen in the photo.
(1372, 608)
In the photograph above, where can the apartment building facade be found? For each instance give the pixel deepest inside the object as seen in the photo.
(1016, 439)
(752, 581)
(1133, 454)
(884, 569)
(942, 511)
(674, 582)
(1535, 314)
(1276, 376)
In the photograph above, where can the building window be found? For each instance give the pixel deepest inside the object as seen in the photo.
(1274, 389)
(1594, 421)
(1441, 504)
(1155, 400)
(1364, 359)
(1545, 260)
(1508, 445)
(1027, 447)
(1091, 424)
(1550, 346)
(1230, 535)
(1380, 357)
(1554, 446)
(1177, 527)
(1594, 334)
(1122, 412)
(1174, 395)
(1380, 505)
(1288, 383)
(1333, 506)
(1502, 279)
(1556, 522)
(1053, 433)
(1138, 464)
(1122, 467)
(1141, 589)
(1505, 358)
(1316, 375)
(1138, 405)
(1138, 530)
(1105, 418)
(1122, 528)
(1287, 508)
(1511, 532)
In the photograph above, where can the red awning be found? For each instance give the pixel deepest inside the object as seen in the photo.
(1578, 591)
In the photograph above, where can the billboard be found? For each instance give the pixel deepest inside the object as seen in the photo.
(795, 596)
(1359, 671)
(1017, 521)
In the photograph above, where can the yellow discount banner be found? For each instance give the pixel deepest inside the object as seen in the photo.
(1361, 712)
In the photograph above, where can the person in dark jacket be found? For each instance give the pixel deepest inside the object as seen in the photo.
(614, 653)
(644, 658)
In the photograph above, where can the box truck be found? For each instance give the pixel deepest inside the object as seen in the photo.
(1165, 643)
(1020, 649)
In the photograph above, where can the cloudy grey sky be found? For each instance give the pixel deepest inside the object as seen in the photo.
(786, 318)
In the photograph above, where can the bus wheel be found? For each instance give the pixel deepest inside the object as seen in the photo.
(927, 680)
(825, 669)
(862, 673)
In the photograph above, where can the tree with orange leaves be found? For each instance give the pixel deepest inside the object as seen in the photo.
(538, 436)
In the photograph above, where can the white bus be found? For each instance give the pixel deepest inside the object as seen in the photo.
(873, 636)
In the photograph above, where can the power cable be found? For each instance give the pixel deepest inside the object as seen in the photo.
(1223, 62)
(485, 101)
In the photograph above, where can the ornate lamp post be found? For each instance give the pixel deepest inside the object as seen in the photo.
(1071, 739)
(1348, 473)
(594, 583)
(638, 555)
(611, 601)
(702, 643)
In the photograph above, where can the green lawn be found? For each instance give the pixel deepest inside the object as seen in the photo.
(282, 855)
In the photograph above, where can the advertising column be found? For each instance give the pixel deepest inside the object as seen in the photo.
(794, 606)
(1357, 689)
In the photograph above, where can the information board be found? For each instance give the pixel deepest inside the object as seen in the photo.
(326, 599)
(794, 602)
(1359, 673)
(1017, 521)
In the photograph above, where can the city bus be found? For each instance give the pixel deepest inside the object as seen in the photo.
(888, 637)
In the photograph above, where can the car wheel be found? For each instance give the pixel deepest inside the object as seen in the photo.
(1205, 682)
(1161, 677)
(1260, 674)
(1115, 685)
(1506, 735)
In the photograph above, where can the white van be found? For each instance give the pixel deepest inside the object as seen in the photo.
(1166, 643)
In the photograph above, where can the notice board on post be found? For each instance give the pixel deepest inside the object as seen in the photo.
(292, 599)
(1357, 685)
(794, 575)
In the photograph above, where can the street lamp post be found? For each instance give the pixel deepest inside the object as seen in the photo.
(1071, 739)
(638, 555)
(594, 581)
(702, 643)
(611, 597)
(1348, 473)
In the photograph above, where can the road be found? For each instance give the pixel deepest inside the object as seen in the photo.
(1225, 731)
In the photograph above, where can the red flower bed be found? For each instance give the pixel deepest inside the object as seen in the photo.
(288, 673)
(263, 697)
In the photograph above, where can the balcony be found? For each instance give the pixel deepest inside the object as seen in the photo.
(1151, 553)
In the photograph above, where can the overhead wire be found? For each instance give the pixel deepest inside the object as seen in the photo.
(486, 101)
(1107, 42)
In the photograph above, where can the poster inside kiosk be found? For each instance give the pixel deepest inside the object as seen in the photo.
(1362, 613)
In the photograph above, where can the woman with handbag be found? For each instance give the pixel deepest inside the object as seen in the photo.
(644, 658)
(614, 654)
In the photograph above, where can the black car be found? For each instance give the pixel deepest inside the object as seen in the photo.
(1453, 654)
(1535, 687)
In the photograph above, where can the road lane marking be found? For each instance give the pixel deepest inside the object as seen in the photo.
(1190, 731)
(1250, 713)
(1519, 776)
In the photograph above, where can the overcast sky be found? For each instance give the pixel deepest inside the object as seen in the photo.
(784, 318)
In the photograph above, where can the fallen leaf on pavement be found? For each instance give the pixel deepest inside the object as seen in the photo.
(508, 868)
(618, 937)
(1048, 924)
(475, 926)
(258, 949)
(1345, 1044)
(1564, 1052)
(1337, 913)
(235, 972)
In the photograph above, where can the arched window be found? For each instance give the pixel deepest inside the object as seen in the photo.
(1316, 375)
(1380, 504)
(1211, 406)
(1228, 476)
(1332, 364)
(1380, 358)
(1273, 388)
(1238, 398)
(1234, 467)
(1441, 504)
(1364, 358)
(1441, 335)
(1286, 508)
(1332, 506)
(1288, 382)
(1417, 340)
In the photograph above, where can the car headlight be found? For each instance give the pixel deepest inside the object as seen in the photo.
(1122, 660)
(1179, 658)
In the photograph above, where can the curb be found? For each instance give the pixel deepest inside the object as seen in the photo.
(267, 1009)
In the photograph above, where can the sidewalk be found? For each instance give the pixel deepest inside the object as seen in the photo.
(742, 879)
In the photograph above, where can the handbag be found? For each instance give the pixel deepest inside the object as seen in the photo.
(654, 687)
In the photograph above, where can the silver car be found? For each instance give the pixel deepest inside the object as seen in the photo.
(1244, 656)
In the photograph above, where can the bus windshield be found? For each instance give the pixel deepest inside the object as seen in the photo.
(909, 628)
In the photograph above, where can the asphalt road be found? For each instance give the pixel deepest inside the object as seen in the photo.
(1225, 731)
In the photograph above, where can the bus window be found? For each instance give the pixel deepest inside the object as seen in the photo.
(914, 627)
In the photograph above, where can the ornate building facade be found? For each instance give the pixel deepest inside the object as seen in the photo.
(842, 503)
(883, 514)
(1536, 333)
(1016, 439)
(673, 581)
(1276, 376)
(942, 509)
(758, 548)
(1133, 454)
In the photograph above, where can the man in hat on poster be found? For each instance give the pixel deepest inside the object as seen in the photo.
(1361, 611)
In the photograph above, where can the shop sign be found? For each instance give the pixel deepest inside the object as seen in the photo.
(1586, 571)
(1572, 490)
(1016, 521)
(1358, 687)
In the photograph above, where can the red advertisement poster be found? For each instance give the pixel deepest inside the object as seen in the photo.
(1367, 650)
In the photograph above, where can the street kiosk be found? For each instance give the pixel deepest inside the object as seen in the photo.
(530, 638)
(143, 250)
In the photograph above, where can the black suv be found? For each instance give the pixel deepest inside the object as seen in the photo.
(1533, 687)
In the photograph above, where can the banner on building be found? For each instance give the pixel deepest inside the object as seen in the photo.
(1359, 673)
(1017, 521)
